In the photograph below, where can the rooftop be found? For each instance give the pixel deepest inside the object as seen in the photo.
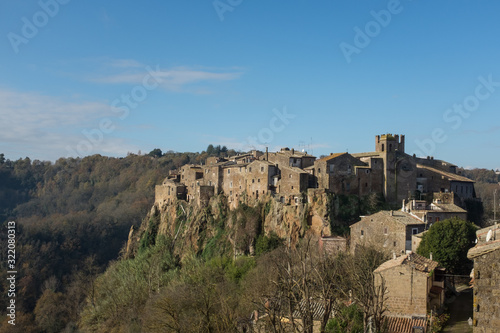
(483, 248)
(449, 208)
(404, 324)
(395, 215)
(449, 175)
(331, 156)
(420, 263)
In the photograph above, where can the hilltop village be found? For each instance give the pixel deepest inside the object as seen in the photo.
(289, 174)
(422, 191)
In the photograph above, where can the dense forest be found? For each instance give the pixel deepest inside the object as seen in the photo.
(73, 217)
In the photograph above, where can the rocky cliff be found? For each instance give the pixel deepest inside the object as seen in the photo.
(214, 229)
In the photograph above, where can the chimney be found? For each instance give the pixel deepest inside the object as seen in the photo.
(267, 154)
(430, 256)
(293, 151)
(394, 255)
(392, 213)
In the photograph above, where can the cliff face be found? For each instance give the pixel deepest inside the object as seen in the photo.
(217, 229)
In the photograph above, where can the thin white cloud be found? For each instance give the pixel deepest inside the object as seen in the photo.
(47, 128)
(172, 79)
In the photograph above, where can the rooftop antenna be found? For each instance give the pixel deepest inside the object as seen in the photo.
(495, 206)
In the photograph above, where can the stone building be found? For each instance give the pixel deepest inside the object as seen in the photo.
(288, 174)
(291, 158)
(441, 208)
(169, 191)
(415, 285)
(440, 176)
(486, 281)
(399, 168)
(339, 174)
(332, 244)
(391, 231)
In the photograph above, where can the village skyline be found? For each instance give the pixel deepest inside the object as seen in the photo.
(95, 78)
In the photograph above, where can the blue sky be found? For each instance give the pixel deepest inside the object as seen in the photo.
(86, 77)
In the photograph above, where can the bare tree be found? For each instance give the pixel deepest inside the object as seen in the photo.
(359, 282)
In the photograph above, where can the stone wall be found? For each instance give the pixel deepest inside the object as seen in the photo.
(487, 292)
(406, 290)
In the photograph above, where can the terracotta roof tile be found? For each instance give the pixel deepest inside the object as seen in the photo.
(420, 263)
(331, 156)
(405, 324)
(449, 175)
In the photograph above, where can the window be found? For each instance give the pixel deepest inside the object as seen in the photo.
(231, 184)
(228, 171)
(362, 232)
(430, 219)
(253, 181)
(394, 244)
(250, 169)
(290, 176)
(437, 219)
(258, 180)
(240, 169)
(414, 231)
(390, 147)
(319, 170)
(366, 184)
(292, 187)
(383, 147)
(385, 231)
(261, 169)
(230, 192)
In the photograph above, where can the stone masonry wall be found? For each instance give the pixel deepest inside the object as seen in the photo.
(406, 290)
(487, 293)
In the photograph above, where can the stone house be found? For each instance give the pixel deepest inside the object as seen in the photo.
(291, 158)
(259, 178)
(292, 180)
(486, 280)
(337, 173)
(441, 208)
(390, 231)
(440, 176)
(414, 285)
(332, 244)
(169, 191)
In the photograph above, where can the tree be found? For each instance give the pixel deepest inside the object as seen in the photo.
(347, 319)
(359, 284)
(51, 315)
(448, 241)
(155, 153)
(210, 150)
(2, 158)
